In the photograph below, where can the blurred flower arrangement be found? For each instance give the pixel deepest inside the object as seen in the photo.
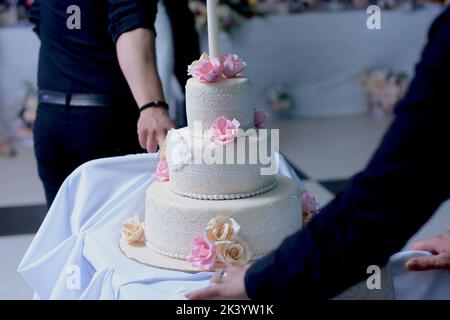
(279, 99)
(6, 149)
(441, 2)
(12, 11)
(295, 6)
(231, 13)
(25, 109)
(384, 88)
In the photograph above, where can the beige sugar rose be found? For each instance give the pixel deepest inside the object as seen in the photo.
(222, 229)
(133, 230)
(235, 253)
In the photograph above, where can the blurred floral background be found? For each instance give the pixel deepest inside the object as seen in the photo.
(381, 84)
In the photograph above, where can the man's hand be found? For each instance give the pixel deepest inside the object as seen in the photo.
(439, 246)
(232, 287)
(137, 58)
(153, 125)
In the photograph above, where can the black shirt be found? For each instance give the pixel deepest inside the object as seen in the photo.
(84, 60)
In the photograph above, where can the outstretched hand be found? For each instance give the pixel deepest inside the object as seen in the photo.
(232, 286)
(440, 248)
(153, 125)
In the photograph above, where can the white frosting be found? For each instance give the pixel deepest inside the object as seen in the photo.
(172, 222)
(215, 181)
(231, 98)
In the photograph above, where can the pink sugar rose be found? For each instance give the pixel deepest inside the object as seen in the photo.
(206, 69)
(232, 65)
(260, 117)
(203, 254)
(224, 131)
(308, 202)
(162, 170)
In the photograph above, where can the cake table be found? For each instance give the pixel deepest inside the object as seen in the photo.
(75, 254)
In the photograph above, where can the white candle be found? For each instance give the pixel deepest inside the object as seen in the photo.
(213, 28)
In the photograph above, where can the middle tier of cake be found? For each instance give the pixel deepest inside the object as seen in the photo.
(247, 166)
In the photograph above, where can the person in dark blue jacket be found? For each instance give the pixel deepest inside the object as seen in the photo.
(407, 179)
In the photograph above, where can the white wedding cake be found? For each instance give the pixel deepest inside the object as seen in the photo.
(215, 200)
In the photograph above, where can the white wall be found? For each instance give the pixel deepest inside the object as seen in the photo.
(320, 55)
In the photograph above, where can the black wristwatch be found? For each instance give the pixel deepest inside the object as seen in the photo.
(156, 103)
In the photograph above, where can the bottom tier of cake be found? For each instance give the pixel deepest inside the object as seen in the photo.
(172, 222)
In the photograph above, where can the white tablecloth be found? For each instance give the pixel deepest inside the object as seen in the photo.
(75, 254)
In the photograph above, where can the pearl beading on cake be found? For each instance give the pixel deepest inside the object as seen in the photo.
(226, 196)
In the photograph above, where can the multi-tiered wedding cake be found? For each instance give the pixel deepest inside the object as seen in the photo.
(217, 199)
(212, 205)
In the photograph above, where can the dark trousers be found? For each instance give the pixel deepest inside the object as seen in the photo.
(66, 137)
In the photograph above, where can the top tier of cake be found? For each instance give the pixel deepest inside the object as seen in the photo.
(232, 98)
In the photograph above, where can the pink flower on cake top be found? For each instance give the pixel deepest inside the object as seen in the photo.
(232, 65)
(162, 170)
(203, 254)
(208, 69)
(259, 117)
(224, 131)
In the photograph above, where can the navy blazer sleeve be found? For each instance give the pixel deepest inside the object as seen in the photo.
(35, 17)
(402, 186)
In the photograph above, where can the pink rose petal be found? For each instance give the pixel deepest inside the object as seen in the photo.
(224, 131)
(203, 254)
(206, 69)
(162, 171)
(260, 117)
(232, 65)
(308, 202)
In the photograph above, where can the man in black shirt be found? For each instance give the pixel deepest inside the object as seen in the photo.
(93, 75)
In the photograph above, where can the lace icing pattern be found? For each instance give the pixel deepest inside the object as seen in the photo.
(170, 232)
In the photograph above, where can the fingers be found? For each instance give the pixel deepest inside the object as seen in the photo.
(151, 143)
(161, 137)
(428, 263)
(430, 244)
(215, 278)
(207, 293)
(142, 135)
(153, 140)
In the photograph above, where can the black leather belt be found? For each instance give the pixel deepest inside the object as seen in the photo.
(74, 99)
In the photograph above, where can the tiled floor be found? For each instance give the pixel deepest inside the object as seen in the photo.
(12, 286)
(326, 151)
(19, 182)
